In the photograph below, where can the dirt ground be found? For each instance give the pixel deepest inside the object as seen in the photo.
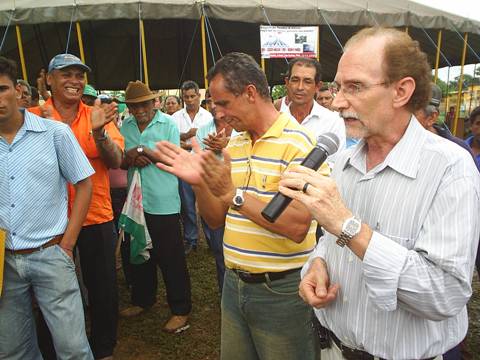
(141, 338)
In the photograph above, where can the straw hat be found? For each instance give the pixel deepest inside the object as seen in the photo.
(138, 92)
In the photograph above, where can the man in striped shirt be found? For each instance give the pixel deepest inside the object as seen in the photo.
(38, 157)
(404, 201)
(262, 315)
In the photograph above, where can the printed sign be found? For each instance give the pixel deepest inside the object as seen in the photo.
(288, 41)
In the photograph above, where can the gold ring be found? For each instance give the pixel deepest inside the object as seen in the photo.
(305, 187)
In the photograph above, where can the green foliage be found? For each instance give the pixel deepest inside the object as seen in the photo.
(278, 91)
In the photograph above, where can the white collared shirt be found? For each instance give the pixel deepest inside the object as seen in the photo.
(321, 121)
(407, 298)
(184, 123)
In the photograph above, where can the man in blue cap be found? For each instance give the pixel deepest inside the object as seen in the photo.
(102, 143)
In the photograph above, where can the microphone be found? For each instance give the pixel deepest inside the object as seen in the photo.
(327, 144)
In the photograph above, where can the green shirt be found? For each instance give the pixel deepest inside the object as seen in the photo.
(159, 188)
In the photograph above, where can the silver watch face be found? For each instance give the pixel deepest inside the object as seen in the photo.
(352, 227)
(238, 200)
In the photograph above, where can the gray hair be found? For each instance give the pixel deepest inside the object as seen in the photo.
(26, 84)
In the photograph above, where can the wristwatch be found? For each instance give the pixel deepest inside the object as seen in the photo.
(350, 228)
(140, 149)
(238, 199)
(104, 135)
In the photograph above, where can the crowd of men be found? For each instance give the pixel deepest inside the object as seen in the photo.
(373, 258)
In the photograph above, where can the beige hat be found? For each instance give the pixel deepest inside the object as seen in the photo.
(138, 92)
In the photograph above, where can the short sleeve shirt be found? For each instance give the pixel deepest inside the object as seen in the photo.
(159, 188)
(34, 171)
(100, 210)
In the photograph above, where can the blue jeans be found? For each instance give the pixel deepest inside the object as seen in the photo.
(215, 242)
(50, 273)
(266, 321)
(189, 213)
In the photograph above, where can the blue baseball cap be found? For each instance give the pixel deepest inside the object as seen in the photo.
(61, 61)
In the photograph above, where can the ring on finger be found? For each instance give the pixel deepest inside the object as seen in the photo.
(305, 187)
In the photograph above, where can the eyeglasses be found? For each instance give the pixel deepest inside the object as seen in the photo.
(353, 88)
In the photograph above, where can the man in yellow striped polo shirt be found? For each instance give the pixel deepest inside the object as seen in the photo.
(262, 314)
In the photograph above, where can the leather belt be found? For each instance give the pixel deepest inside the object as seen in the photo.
(256, 278)
(56, 240)
(354, 354)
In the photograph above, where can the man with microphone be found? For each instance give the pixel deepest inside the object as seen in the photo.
(392, 275)
(262, 315)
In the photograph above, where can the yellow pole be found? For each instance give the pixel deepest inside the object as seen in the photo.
(20, 52)
(318, 43)
(262, 63)
(437, 59)
(80, 46)
(144, 52)
(204, 52)
(460, 84)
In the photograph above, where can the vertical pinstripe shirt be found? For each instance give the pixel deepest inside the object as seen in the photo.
(407, 298)
(34, 171)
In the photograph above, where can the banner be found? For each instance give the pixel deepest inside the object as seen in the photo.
(288, 41)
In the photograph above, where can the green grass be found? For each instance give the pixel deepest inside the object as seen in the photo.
(142, 337)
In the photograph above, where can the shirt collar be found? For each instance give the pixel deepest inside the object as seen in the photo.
(275, 130)
(32, 122)
(403, 158)
(158, 118)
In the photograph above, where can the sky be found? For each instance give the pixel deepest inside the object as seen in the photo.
(466, 8)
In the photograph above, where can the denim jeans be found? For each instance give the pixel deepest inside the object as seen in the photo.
(50, 273)
(266, 321)
(189, 213)
(215, 242)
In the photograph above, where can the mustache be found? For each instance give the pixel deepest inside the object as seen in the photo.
(349, 115)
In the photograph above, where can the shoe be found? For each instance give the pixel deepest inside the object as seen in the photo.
(132, 311)
(176, 324)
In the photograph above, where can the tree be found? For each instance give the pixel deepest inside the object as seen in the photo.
(278, 91)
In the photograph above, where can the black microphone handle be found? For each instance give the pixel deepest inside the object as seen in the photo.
(279, 202)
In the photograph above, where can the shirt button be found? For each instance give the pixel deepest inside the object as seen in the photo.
(13, 205)
(345, 299)
(12, 177)
(14, 233)
(10, 150)
(350, 258)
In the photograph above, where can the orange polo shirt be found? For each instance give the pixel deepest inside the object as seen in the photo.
(100, 210)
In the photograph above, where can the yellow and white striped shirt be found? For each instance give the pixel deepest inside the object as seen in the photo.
(257, 169)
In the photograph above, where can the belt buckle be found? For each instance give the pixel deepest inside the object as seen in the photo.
(244, 275)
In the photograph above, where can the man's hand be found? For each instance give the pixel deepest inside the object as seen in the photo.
(142, 161)
(321, 197)
(216, 142)
(42, 85)
(191, 133)
(217, 176)
(131, 155)
(315, 288)
(179, 162)
(67, 251)
(102, 114)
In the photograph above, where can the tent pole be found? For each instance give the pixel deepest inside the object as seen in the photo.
(144, 52)
(20, 53)
(204, 52)
(437, 59)
(460, 84)
(318, 44)
(80, 46)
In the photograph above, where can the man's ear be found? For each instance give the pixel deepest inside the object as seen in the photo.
(250, 92)
(403, 91)
(18, 91)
